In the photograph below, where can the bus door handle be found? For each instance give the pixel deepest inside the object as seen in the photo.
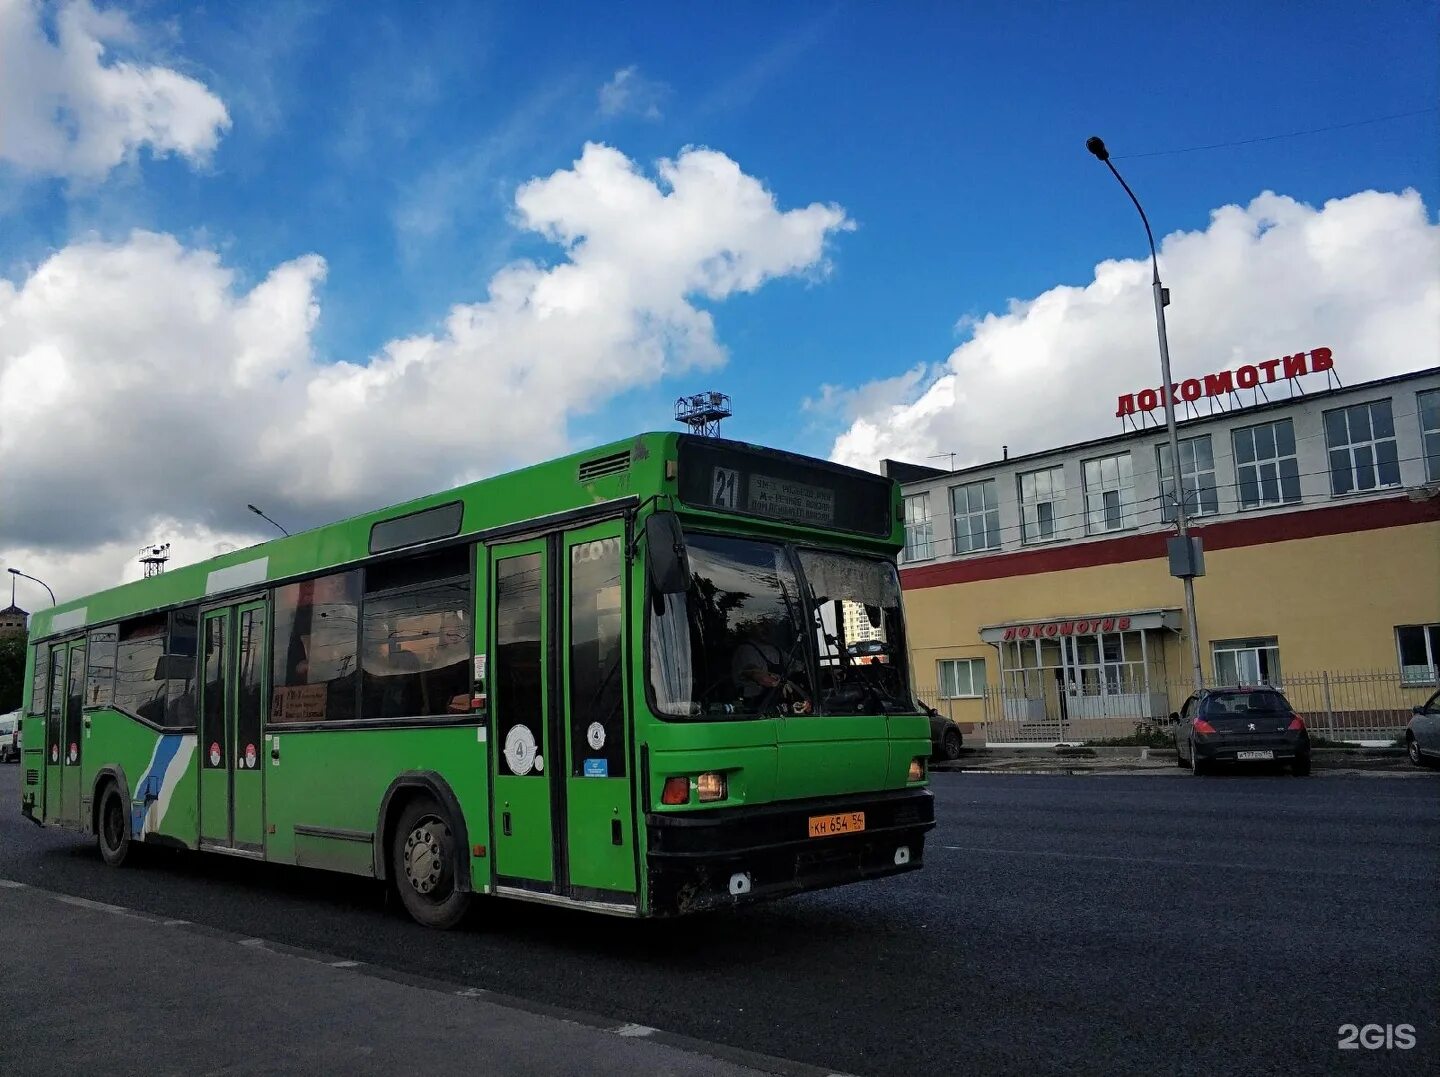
(505, 823)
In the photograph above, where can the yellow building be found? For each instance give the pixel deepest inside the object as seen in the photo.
(1040, 604)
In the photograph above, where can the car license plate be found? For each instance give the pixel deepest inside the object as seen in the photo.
(1255, 755)
(850, 822)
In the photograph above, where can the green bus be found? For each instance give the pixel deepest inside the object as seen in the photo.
(623, 680)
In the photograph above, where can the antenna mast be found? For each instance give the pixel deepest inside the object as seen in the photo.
(154, 558)
(702, 413)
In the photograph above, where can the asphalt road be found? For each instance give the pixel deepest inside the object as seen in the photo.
(1115, 924)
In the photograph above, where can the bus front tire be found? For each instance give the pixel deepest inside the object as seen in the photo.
(424, 865)
(112, 832)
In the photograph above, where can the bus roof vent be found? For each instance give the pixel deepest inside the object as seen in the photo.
(601, 466)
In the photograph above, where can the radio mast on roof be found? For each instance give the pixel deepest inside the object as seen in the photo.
(154, 558)
(702, 412)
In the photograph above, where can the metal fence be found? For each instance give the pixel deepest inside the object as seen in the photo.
(1354, 707)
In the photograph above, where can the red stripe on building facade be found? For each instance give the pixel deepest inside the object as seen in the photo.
(1253, 531)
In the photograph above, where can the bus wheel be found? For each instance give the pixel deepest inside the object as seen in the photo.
(424, 866)
(111, 832)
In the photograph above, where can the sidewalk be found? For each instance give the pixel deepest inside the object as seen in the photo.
(92, 988)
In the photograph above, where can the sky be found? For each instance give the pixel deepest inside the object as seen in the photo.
(322, 257)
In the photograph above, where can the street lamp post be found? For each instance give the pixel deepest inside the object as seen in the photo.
(42, 583)
(267, 519)
(1162, 296)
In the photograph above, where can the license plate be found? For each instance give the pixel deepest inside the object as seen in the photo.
(850, 822)
(1255, 755)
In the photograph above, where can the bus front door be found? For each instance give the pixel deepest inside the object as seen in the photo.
(599, 813)
(520, 634)
(563, 815)
(233, 696)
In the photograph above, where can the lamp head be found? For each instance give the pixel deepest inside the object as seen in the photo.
(253, 509)
(1096, 145)
(14, 571)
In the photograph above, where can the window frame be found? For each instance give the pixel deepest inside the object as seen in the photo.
(1168, 509)
(1254, 644)
(1122, 486)
(1432, 654)
(942, 689)
(1431, 455)
(987, 489)
(1056, 497)
(913, 526)
(1256, 462)
(1373, 444)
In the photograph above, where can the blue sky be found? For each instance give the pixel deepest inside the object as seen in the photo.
(390, 139)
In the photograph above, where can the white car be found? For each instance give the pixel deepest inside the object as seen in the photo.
(1422, 735)
(10, 737)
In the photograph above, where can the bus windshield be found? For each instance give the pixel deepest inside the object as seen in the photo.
(766, 630)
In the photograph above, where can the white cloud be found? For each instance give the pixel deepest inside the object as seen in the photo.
(1361, 275)
(630, 93)
(142, 387)
(65, 111)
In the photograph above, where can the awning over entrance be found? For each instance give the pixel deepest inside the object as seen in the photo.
(1083, 624)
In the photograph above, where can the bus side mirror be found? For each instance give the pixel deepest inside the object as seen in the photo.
(668, 561)
(872, 614)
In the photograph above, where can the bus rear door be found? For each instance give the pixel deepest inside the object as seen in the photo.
(233, 697)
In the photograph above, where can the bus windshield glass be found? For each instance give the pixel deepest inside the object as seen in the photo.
(762, 626)
(854, 605)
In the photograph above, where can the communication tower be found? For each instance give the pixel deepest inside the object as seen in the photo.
(154, 558)
(702, 412)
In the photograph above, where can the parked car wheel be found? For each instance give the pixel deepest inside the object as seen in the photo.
(950, 744)
(1197, 766)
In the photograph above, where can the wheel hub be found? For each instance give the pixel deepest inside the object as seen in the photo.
(424, 856)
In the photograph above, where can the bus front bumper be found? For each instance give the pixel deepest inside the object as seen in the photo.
(732, 856)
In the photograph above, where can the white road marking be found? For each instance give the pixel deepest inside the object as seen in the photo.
(11, 884)
(633, 1030)
(343, 964)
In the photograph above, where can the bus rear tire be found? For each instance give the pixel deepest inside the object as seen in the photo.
(424, 866)
(112, 831)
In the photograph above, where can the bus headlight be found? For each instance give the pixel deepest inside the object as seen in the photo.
(710, 786)
(917, 769)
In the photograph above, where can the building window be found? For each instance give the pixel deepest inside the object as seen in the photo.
(1265, 466)
(1042, 497)
(1361, 441)
(1247, 661)
(976, 517)
(1419, 647)
(1428, 405)
(1197, 479)
(919, 532)
(1109, 494)
(962, 678)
